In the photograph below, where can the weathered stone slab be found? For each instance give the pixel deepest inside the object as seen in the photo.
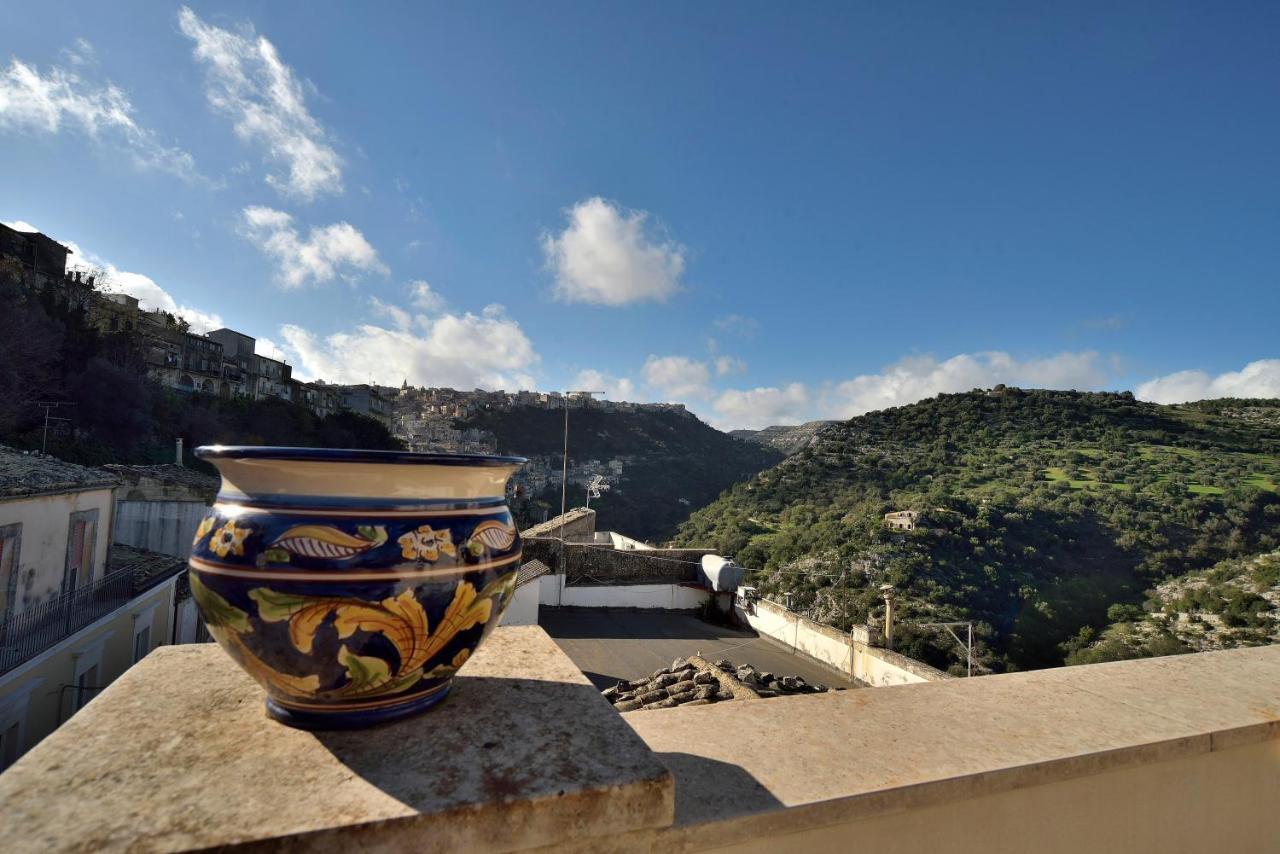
(179, 754)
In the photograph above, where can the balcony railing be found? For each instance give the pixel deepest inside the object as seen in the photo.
(24, 636)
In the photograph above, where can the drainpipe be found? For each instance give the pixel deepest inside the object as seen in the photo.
(887, 591)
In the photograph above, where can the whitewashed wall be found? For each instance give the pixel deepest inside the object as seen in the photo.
(523, 610)
(674, 597)
(46, 523)
(851, 654)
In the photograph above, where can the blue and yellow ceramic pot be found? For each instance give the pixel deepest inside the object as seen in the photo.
(354, 584)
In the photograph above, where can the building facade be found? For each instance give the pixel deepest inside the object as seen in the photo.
(77, 609)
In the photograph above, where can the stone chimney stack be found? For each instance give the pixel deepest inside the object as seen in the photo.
(887, 591)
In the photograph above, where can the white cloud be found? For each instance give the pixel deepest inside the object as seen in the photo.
(150, 295)
(1256, 379)
(737, 324)
(678, 378)
(328, 251)
(762, 407)
(604, 256)
(459, 350)
(246, 80)
(423, 297)
(917, 377)
(47, 104)
(81, 53)
(614, 388)
(726, 365)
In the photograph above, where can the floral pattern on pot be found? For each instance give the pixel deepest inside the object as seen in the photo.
(352, 611)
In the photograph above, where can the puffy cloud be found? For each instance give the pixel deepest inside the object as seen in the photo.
(423, 297)
(488, 350)
(47, 104)
(917, 377)
(678, 378)
(1256, 379)
(614, 388)
(150, 295)
(762, 407)
(328, 251)
(246, 80)
(605, 256)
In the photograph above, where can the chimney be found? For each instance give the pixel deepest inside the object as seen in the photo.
(887, 591)
(177, 451)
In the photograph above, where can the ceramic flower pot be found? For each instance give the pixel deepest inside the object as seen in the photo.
(354, 584)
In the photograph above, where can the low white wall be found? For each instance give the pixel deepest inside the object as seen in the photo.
(851, 653)
(523, 610)
(672, 597)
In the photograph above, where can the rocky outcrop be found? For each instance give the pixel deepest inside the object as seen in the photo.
(696, 682)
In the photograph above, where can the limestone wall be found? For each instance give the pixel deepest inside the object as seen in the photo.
(852, 654)
(589, 563)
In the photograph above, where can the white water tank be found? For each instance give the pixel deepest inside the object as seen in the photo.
(721, 574)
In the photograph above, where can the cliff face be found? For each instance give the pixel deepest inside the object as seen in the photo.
(658, 465)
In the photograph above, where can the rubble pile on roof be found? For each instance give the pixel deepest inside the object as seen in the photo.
(695, 682)
(33, 473)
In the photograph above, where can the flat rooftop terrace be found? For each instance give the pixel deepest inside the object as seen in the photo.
(609, 645)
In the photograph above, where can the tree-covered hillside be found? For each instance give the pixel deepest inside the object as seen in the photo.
(1040, 511)
(672, 462)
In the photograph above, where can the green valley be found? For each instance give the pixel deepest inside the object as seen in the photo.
(1045, 517)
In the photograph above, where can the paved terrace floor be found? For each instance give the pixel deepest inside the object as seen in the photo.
(609, 645)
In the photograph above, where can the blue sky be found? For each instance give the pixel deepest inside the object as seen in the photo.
(769, 212)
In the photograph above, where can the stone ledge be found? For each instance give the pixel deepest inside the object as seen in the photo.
(179, 754)
(747, 771)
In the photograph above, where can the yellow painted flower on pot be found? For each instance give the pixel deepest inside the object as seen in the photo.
(229, 539)
(426, 543)
(207, 524)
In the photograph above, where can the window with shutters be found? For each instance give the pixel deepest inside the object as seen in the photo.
(82, 536)
(141, 643)
(86, 686)
(10, 541)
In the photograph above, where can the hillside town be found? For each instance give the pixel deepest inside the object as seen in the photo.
(225, 363)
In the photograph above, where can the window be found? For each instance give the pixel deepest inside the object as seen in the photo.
(141, 644)
(10, 540)
(86, 685)
(81, 539)
(10, 744)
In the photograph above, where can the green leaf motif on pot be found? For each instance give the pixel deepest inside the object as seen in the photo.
(218, 612)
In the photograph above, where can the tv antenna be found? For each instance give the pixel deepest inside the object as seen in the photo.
(48, 406)
(596, 488)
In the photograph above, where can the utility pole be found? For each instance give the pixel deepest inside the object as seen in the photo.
(564, 466)
(48, 406)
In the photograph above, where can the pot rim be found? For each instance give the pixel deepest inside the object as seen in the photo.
(351, 455)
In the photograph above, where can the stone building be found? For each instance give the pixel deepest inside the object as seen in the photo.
(902, 520)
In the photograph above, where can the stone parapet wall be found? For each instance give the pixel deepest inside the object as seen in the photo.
(852, 654)
(525, 754)
(586, 563)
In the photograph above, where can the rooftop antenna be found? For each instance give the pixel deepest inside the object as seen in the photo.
(595, 488)
(564, 467)
(48, 406)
